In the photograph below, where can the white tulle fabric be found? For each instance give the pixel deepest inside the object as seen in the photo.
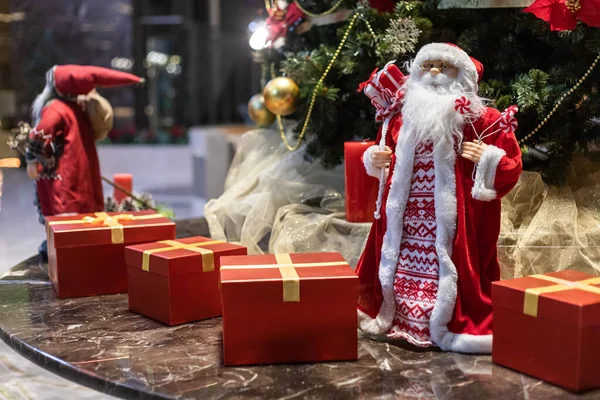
(265, 177)
(548, 229)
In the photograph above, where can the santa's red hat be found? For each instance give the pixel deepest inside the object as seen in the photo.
(81, 79)
(469, 67)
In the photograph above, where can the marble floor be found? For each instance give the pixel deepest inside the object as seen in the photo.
(20, 235)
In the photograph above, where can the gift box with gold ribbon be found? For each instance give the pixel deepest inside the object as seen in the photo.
(86, 252)
(177, 281)
(288, 308)
(548, 326)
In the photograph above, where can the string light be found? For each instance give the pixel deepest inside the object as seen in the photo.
(258, 40)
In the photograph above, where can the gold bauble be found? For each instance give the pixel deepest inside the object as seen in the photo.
(281, 96)
(258, 112)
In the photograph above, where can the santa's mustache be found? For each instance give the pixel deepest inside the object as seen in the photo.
(439, 80)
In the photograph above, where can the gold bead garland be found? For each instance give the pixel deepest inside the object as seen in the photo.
(269, 5)
(369, 27)
(315, 90)
(312, 15)
(562, 99)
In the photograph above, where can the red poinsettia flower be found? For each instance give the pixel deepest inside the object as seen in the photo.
(563, 14)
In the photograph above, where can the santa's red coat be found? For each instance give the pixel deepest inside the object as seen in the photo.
(468, 224)
(75, 185)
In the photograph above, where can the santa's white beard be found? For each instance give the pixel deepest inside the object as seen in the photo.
(429, 108)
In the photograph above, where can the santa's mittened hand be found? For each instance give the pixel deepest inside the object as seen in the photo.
(473, 151)
(382, 159)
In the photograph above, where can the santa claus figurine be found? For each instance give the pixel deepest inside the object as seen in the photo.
(427, 270)
(61, 153)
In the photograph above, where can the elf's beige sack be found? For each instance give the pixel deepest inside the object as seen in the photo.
(99, 112)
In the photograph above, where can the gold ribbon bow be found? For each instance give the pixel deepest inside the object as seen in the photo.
(530, 303)
(208, 256)
(287, 269)
(117, 233)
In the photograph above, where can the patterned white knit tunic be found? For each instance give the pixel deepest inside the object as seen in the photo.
(417, 275)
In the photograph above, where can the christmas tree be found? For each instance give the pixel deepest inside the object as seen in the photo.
(537, 69)
(329, 47)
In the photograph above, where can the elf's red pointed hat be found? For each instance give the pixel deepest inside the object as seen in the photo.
(82, 79)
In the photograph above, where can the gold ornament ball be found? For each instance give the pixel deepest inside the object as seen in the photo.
(258, 112)
(281, 96)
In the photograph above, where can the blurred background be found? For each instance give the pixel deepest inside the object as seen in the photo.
(199, 76)
(195, 57)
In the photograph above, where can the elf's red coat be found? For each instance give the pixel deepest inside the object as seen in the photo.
(468, 225)
(75, 186)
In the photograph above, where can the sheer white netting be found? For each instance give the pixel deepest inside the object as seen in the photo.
(552, 228)
(275, 201)
(263, 178)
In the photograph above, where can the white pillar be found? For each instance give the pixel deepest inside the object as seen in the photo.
(214, 15)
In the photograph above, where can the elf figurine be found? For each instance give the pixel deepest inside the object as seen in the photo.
(61, 152)
(446, 160)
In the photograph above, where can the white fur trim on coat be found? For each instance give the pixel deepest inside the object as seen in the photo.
(368, 162)
(452, 55)
(446, 216)
(483, 188)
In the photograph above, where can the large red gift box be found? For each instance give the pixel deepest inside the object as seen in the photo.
(177, 281)
(86, 252)
(548, 326)
(288, 308)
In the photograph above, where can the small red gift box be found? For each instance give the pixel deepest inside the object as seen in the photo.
(288, 308)
(548, 326)
(177, 281)
(382, 86)
(86, 252)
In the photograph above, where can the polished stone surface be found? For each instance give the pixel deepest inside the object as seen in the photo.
(98, 342)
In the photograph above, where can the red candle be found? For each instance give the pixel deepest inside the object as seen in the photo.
(126, 182)
(361, 189)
